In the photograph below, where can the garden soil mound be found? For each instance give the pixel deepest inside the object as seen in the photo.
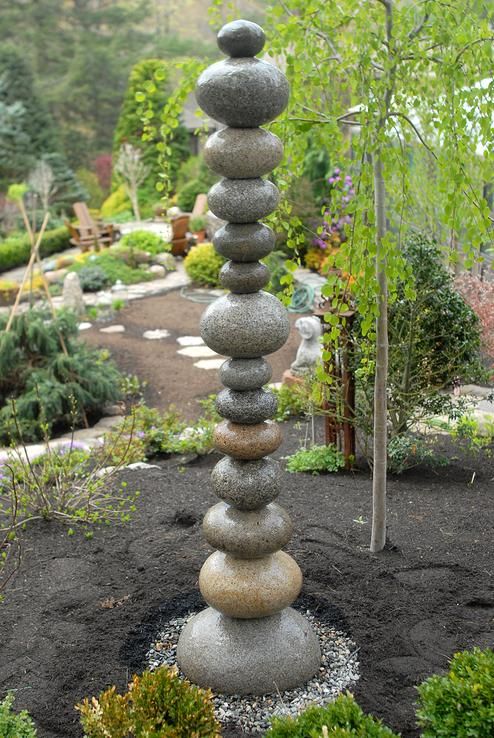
(80, 613)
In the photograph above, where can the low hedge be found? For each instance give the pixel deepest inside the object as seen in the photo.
(15, 250)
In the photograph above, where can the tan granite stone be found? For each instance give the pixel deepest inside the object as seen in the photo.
(255, 588)
(247, 441)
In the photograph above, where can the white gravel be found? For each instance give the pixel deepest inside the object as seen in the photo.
(339, 670)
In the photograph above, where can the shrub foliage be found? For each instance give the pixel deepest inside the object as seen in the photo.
(15, 250)
(15, 725)
(157, 704)
(41, 386)
(203, 265)
(460, 704)
(342, 718)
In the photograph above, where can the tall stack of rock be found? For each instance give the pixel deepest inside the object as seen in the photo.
(249, 640)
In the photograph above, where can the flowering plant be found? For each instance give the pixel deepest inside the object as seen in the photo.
(336, 218)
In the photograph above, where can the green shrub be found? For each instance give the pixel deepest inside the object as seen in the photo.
(41, 387)
(116, 203)
(90, 182)
(15, 725)
(114, 268)
(315, 460)
(93, 279)
(157, 704)
(63, 484)
(203, 264)
(15, 251)
(342, 718)
(186, 197)
(407, 450)
(145, 241)
(460, 704)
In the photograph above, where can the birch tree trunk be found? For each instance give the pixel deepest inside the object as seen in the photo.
(378, 536)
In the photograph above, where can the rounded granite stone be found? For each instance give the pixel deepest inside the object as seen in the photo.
(245, 326)
(247, 441)
(242, 93)
(245, 374)
(250, 588)
(249, 406)
(242, 153)
(241, 38)
(248, 485)
(247, 535)
(257, 656)
(243, 200)
(244, 241)
(243, 278)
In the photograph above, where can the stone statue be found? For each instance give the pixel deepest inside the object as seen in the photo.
(249, 640)
(72, 295)
(310, 350)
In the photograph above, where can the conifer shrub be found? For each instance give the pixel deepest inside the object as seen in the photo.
(15, 724)
(203, 264)
(157, 703)
(461, 703)
(42, 388)
(342, 718)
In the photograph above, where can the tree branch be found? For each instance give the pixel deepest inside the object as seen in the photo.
(395, 114)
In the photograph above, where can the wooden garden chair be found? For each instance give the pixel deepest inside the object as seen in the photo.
(90, 233)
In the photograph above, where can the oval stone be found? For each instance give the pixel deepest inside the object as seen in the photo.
(243, 278)
(250, 588)
(242, 153)
(243, 200)
(245, 326)
(247, 535)
(247, 441)
(248, 656)
(245, 374)
(241, 38)
(242, 93)
(248, 485)
(251, 406)
(244, 241)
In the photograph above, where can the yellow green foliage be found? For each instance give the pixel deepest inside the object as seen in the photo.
(203, 264)
(116, 203)
(157, 704)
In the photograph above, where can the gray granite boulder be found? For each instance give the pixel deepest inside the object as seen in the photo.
(248, 485)
(251, 406)
(245, 326)
(241, 153)
(241, 38)
(244, 277)
(245, 374)
(244, 241)
(242, 93)
(243, 200)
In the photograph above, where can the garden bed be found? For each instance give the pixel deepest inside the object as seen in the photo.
(80, 614)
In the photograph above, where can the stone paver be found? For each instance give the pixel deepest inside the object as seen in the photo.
(113, 329)
(156, 334)
(190, 341)
(209, 363)
(199, 352)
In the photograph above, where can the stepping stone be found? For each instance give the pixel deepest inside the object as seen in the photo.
(209, 363)
(199, 352)
(190, 341)
(156, 334)
(113, 329)
(84, 326)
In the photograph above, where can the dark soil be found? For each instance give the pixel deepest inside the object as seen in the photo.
(79, 614)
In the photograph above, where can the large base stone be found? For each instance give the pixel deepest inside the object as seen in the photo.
(248, 656)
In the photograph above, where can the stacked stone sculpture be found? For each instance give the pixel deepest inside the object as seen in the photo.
(249, 641)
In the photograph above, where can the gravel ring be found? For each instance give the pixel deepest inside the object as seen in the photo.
(339, 669)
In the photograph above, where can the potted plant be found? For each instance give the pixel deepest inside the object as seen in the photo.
(198, 227)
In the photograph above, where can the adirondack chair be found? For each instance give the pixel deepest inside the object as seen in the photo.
(180, 239)
(89, 233)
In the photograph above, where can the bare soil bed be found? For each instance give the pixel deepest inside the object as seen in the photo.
(80, 614)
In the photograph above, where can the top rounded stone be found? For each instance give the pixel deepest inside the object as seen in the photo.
(241, 38)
